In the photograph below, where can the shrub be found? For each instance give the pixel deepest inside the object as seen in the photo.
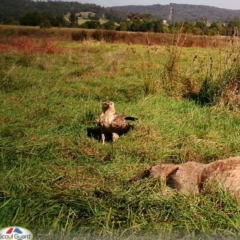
(97, 35)
(45, 24)
(80, 35)
(208, 91)
(30, 45)
(110, 36)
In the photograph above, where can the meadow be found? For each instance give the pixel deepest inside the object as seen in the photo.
(59, 181)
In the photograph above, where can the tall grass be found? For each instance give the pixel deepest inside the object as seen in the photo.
(170, 76)
(59, 181)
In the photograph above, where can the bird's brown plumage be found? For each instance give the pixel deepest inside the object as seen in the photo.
(111, 122)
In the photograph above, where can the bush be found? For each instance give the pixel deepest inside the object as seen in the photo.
(110, 36)
(97, 35)
(208, 92)
(80, 36)
(45, 24)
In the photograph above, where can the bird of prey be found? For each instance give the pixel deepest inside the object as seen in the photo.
(112, 123)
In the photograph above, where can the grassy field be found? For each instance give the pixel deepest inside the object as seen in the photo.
(60, 182)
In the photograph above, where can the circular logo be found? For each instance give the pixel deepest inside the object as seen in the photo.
(15, 233)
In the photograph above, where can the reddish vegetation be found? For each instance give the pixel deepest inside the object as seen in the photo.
(29, 45)
(32, 40)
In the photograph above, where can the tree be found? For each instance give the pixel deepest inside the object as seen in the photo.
(175, 27)
(110, 25)
(158, 26)
(232, 26)
(32, 19)
(216, 29)
(61, 22)
(73, 20)
(146, 26)
(124, 25)
(45, 24)
(91, 25)
(9, 20)
(201, 25)
(133, 17)
(188, 27)
(135, 26)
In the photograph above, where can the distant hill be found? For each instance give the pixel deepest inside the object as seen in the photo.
(15, 9)
(181, 12)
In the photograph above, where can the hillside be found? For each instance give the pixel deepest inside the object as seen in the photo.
(182, 12)
(14, 10)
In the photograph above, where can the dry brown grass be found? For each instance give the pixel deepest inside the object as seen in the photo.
(118, 36)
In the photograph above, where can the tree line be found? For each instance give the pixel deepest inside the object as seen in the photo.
(67, 14)
(134, 22)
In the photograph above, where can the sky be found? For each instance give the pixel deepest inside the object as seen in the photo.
(228, 4)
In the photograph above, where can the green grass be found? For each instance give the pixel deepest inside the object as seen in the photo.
(59, 182)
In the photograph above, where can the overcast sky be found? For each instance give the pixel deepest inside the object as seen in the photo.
(228, 4)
